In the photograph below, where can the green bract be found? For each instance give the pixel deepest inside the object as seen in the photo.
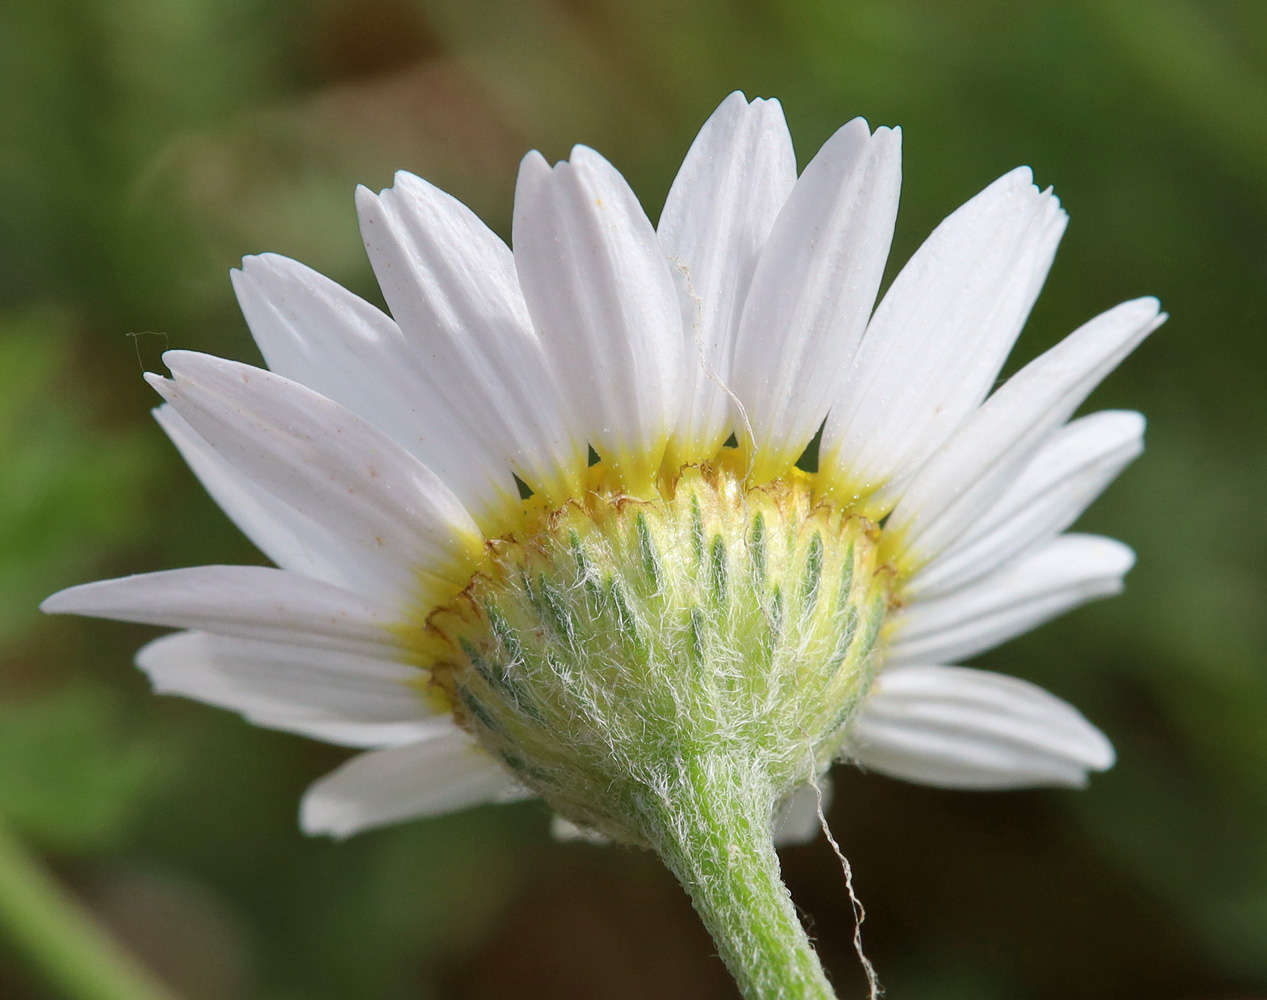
(624, 641)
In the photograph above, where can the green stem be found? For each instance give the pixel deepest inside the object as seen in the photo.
(60, 937)
(712, 828)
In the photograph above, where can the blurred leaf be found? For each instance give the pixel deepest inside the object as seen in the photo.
(1194, 62)
(68, 777)
(70, 488)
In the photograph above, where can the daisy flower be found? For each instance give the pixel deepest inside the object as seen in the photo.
(543, 531)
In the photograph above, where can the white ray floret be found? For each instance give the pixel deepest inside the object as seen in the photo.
(1060, 482)
(246, 602)
(1059, 576)
(290, 539)
(938, 339)
(332, 695)
(451, 284)
(717, 217)
(314, 332)
(814, 285)
(997, 441)
(959, 728)
(327, 463)
(438, 774)
(603, 301)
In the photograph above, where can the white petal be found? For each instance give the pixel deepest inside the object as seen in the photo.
(342, 697)
(796, 817)
(1064, 573)
(942, 332)
(718, 213)
(250, 602)
(412, 536)
(603, 302)
(958, 728)
(441, 774)
(1060, 482)
(995, 443)
(451, 283)
(291, 540)
(358, 735)
(813, 290)
(313, 331)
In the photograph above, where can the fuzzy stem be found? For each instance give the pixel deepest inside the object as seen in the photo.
(712, 828)
(59, 937)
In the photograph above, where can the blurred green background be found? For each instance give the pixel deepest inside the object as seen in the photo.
(146, 145)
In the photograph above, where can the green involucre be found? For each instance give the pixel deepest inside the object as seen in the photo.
(625, 642)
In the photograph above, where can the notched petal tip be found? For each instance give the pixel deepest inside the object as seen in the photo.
(406, 180)
(164, 386)
(584, 160)
(534, 171)
(260, 265)
(769, 112)
(1017, 191)
(187, 367)
(195, 366)
(408, 194)
(180, 358)
(364, 197)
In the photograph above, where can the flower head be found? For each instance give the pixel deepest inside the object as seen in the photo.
(544, 528)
